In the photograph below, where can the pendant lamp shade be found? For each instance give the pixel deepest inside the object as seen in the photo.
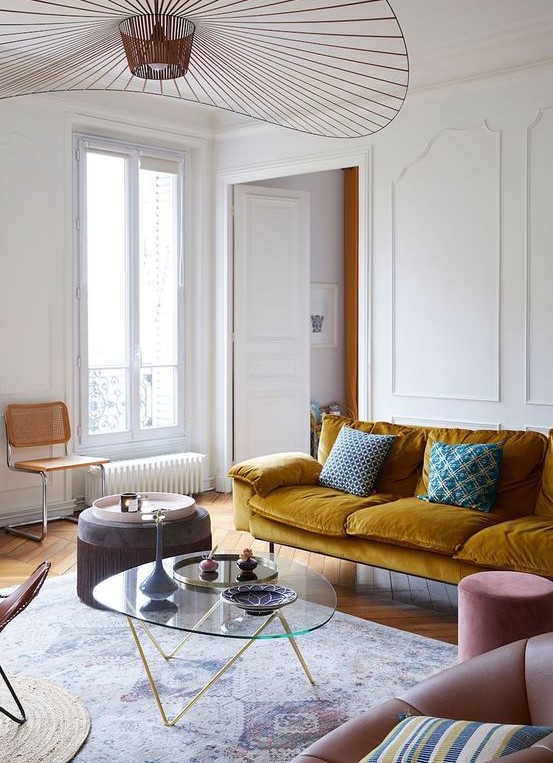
(337, 69)
(157, 46)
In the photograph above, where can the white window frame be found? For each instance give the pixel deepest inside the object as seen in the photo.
(135, 441)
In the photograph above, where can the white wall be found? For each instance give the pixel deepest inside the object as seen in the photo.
(37, 349)
(35, 273)
(326, 191)
(459, 195)
(459, 210)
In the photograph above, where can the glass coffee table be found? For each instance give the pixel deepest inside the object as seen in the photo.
(279, 599)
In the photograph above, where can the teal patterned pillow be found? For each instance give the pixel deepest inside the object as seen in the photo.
(464, 475)
(420, 739)
(355, 460)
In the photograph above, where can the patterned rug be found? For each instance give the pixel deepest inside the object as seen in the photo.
(262, 711)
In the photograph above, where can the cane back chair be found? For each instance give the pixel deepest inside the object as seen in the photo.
(39, 425)
(10, 607)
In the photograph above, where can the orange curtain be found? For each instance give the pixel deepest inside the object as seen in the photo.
(351, 284)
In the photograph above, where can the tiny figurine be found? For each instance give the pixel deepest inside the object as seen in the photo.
(246, 560)
(208, 563)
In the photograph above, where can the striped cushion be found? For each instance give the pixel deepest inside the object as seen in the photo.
(420, 739)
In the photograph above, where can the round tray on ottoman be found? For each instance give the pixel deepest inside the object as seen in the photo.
(106, 547)
(173, 505)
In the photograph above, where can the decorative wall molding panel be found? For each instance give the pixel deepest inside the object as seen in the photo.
(30, 267)
(439, 423)
(539, 305)
(446, 224)
(543, 430)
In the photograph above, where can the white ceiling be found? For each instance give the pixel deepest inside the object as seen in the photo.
(447, 40)
(453, 40)
(456, 39)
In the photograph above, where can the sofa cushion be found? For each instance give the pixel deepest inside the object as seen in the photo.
(464, 475)
(354, 461)
(523, 545)
(330, 429)
(413, 523)
(521, 466)
(266, 473)
(420, 739)
(403, 465)
(317, 509)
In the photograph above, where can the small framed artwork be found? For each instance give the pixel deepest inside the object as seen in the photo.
(323, 314)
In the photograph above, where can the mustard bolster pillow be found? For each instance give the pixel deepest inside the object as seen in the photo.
(266, 473)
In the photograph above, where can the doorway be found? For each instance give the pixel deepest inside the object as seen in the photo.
(271, 303)
(223, 441)
(319, 378)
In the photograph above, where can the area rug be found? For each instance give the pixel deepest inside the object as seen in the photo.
(57, 723)
(262, 711)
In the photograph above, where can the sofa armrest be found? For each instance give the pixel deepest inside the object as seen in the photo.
(357, 737)
(490, 688)
(266, 473)
(353, 740)
(241, 512)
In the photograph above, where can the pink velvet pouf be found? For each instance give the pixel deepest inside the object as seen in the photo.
(496, 608)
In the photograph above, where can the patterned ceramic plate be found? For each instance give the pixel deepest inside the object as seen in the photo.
(259, 596)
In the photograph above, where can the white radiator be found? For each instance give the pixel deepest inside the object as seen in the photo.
(173, 473)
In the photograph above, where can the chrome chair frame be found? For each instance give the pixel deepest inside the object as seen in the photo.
(43, 473)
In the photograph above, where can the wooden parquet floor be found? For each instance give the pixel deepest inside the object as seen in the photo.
(399, 601)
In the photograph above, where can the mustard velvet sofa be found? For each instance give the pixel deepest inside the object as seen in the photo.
(277, 498)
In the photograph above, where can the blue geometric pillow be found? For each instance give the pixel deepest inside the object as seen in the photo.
(464, 475)
(355, 460)
(420, 739)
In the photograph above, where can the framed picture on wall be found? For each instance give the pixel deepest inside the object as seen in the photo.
(323, 314)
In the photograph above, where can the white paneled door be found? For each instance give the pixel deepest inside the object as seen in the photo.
(271, 321)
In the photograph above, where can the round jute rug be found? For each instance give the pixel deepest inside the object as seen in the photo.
(57, 723)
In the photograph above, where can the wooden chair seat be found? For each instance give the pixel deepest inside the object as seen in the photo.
(59, 462)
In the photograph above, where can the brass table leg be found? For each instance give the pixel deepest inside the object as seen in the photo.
(220, 672)
(295, 646)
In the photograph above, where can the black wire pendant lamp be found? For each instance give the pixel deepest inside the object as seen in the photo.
(332, 69)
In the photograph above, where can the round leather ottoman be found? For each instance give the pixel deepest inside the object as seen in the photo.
(106, 548)
(496, 608)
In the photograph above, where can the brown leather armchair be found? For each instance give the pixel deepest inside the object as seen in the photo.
(511, 684)
(10, 606)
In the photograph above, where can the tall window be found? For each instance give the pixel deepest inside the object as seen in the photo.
(130, 292)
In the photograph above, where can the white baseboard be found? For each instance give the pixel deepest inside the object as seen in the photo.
(34, 513)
